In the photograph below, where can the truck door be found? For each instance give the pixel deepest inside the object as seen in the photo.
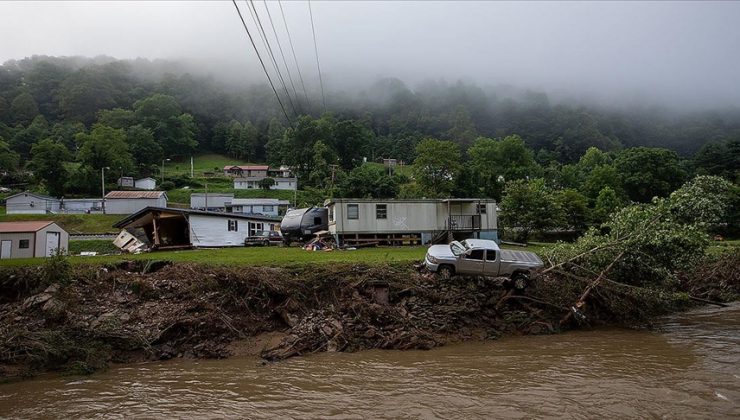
(471, 262)
(492, 264)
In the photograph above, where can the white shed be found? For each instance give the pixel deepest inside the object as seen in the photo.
(31, 203)
(147, 183)
(32, 239)
(127, 202)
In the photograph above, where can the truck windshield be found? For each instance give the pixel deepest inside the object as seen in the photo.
(457, 248)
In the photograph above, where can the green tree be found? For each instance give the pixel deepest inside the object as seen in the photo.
(649, 172)
(573, 207)
(266, 183)
(48, 165)
(116, 118)
(529, 206)
(600, 177)
(321, 171)
(607, 202)
(498, 161)
(719, 158)
(23, 109)
(369, 181)
(241, 141)
(83, 93)
(24, 139)
(144, 149)
(8, 158)
(436, 166)
(173, 130)
(105, 147)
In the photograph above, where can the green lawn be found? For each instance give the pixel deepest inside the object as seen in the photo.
(101, 246)
(267, 256)
(72, 223)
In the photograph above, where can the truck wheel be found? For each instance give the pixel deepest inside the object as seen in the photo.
(446, 272)
(519, 281)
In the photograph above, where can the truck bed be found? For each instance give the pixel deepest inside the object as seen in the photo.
(508, 255)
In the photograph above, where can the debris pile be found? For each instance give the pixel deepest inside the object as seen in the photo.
(149, 310)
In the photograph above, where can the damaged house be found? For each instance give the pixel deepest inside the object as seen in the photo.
(171, 228)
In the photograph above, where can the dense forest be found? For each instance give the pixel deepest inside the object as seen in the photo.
(64, 118)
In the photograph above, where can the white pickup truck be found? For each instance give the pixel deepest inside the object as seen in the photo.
(480, 257)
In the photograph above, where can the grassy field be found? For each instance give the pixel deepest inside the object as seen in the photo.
(101, 246)
(72, 223)
(202, 163)
(271, 256)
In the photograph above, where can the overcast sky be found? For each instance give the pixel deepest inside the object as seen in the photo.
(676, 53)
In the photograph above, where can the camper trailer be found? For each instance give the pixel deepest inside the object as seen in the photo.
(301, 224)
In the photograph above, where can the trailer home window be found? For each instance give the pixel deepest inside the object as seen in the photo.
(233, 226)
(353, 211)
(381, 211)
(481, 208)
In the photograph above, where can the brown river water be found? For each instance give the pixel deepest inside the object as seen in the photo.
(689, 367)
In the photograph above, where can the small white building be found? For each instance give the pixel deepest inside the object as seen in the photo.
(412, 221)
(127, 202)
(169, 228)
(253, 183)
(210, 201)
(263, 206)
(147, 183)
(81, 205)
(126, 181)
(32, 239)
(31, 203)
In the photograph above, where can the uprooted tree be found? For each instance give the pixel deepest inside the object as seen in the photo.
(629, 267)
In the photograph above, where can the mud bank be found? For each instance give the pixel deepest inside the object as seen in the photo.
(84, 319)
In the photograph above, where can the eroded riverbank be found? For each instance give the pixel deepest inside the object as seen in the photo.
(685, 368)
(133, 312)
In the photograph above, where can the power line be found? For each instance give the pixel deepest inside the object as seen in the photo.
(290, 39)
(269, 79)
(316, 50)
(280, 48)
(261, 29)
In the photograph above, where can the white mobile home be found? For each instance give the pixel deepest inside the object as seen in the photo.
(32, 239)
(169, 228)
(263, 206)
(31, 203)
(253, 183)
(127, 202)
(413, 221)
(210, 201)
(81, 205)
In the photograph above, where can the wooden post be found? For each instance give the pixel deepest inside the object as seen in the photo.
(156, 230)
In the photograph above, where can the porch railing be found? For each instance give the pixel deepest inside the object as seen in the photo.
(463, 222)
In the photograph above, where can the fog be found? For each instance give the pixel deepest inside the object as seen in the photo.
(684, 55)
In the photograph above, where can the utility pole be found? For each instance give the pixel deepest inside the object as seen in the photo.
(206, 195)
(102, 184)
(191, 166)
(163, 161)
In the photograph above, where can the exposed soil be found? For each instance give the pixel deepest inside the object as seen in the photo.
(149, 311)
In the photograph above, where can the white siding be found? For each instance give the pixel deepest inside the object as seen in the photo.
(198, 200)
(145, 184)
(30, 204)
(206, 231)
(132, 205)
(411, 216)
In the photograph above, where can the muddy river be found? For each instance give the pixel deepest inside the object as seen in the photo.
(688, 368)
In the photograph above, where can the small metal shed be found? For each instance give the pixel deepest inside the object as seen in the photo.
(32, 239)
